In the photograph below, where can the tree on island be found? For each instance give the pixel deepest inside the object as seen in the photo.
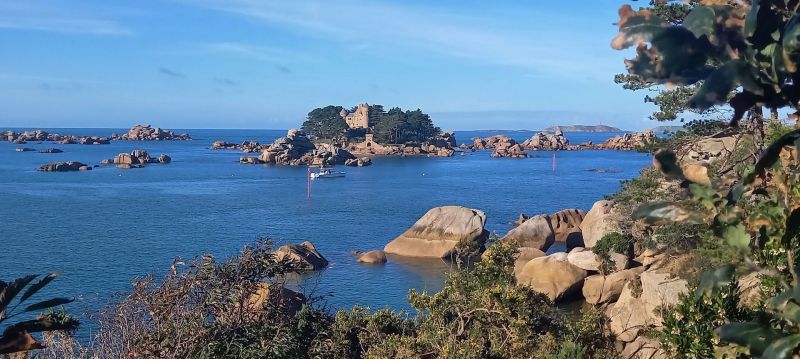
(398, 126)
(326, 123)
(393, 127)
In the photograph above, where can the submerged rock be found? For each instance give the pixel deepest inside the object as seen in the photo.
(51, 150)
(64, 167)
(439, 231)
(371, 257)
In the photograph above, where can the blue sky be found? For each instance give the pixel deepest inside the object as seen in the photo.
(264, 64)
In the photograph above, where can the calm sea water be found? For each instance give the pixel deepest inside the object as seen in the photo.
(104, 227)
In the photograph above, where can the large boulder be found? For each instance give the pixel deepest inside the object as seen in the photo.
(643, 348)
(305, 255)
(641, 301)
(599, 221)
(567, 225)
(587, 259)
(437, 233)
(599, 289)
(553, 276)
(535, 232)
(710, 148)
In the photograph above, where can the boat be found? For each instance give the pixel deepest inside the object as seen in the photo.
(326, 172)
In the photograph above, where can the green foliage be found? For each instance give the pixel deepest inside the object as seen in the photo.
(758, 215)
(16, 337)
(680, 236)
(775, 130)
(398, 126)
(325, 123)
(393, 127)
(689, 326)
(720, 47)
(642, 189)
(206, 310)
(482, 313)
(613, 242)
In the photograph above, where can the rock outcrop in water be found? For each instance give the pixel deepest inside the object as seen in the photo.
(51, 150)
(136, 159)
(304, 255)
(628, 141)
(437, 233)
(359, 162)
(44, 136)
(296, 149)
(148, 133)
(64, 167)
(543, 141)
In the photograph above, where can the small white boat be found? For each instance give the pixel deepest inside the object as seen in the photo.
(326, 172)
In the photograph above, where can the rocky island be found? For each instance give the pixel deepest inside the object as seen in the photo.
(136, 159)
(333, 135)
(146, 132)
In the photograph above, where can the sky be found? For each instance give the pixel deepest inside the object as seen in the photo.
(471, 64)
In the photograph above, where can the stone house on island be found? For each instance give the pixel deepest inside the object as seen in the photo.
(358, 118)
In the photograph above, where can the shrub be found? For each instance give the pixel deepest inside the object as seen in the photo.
(645, 188)
(613, 242)
(689, 326)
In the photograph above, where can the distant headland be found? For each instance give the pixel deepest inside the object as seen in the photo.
(583, 128)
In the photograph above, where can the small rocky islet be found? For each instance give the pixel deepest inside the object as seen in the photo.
(133, 159)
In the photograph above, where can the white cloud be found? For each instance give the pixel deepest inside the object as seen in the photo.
(536, 45)
(51, 16)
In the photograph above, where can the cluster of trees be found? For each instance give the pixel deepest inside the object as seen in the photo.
(396, 126)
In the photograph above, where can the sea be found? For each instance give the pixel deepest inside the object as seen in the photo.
(103, 228)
